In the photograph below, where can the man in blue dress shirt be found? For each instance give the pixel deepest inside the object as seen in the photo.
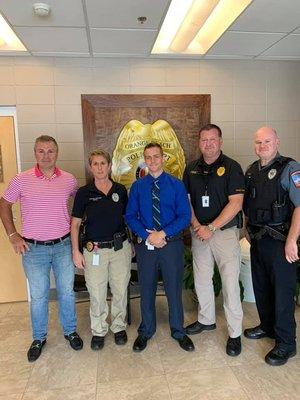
(157, 212)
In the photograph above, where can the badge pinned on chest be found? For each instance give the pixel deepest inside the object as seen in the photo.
(221, 171)
(272, 173)
(115, 197)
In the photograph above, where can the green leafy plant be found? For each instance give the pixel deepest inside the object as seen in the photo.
(188, 276)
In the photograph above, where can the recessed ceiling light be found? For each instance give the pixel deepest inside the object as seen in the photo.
(193, 26)
(8, 39)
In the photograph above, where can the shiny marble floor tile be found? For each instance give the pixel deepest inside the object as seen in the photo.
(72, 393)
(163, 370)
(207, 354)
(20, 308)
(14, 373)
(14, 340)
(261, 381)
(4, 308)
(148, 388)
(120, 362)
(12, 322)
(212, 384)
(11, 396)
(60, 367)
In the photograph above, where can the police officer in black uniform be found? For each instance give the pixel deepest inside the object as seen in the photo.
(107, 253)
(215, 184)
(272, 209)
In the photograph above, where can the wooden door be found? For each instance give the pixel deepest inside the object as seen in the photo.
(12, 278)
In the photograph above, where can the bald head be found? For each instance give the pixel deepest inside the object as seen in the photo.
(266, 143)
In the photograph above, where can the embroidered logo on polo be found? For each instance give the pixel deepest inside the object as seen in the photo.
(272, 173)
(115, 197)
(296, 179)
(221, 171)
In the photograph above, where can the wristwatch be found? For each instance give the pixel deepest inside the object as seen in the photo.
(212, 228)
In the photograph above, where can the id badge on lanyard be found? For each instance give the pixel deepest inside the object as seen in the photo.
(96, 256)
(205, 201)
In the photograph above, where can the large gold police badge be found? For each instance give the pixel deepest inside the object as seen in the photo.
(128, 160)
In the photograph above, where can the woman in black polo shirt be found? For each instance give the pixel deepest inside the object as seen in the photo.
(106, 255)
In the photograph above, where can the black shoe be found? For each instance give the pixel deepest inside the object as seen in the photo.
(35, 350)
(197, 327)
(234, 346)
(279, 356)
(186, 344)
(257, 333)
(121, 337)
(97, 342)
(140, 343)
(75, 341)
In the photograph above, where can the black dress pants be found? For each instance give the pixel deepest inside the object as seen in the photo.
(170, 261)
(274, 282)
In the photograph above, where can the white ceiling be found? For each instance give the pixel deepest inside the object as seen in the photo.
(268, 29)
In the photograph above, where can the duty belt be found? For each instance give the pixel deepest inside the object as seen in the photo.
(109, 244)
(257, 232)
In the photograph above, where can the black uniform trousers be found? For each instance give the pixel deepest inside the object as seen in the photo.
(170, 261)
(274, 282)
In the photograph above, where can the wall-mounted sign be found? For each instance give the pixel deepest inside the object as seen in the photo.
(128, 160)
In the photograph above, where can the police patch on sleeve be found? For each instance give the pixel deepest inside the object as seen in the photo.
(115, 197)
(296, 179)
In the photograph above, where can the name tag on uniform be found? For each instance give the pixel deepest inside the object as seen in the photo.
(205, 201)
(96, 259)
(149, 246)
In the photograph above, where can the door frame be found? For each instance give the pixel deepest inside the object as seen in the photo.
(11, 111)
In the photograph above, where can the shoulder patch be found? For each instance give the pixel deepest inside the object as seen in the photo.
(296, 179)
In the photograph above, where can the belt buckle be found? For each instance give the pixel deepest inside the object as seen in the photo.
(89, 246)
(48, 242)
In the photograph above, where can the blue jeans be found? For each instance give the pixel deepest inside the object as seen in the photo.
(37, 263)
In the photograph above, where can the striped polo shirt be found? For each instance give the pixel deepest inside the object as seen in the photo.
(44, 202)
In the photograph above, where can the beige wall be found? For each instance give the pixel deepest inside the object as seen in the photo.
(245, 95)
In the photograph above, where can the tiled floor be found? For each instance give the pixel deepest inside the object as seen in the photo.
(162, 371)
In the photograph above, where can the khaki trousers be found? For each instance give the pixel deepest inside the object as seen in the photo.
(224, 248)
(113, 269)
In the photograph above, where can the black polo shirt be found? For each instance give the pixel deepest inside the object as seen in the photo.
(219, 180)
(104, 213)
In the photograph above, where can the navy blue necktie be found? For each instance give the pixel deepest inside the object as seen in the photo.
(156, 205)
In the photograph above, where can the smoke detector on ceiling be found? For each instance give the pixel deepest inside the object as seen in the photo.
(41, 9)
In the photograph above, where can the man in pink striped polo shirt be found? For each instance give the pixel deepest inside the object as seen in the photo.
(43, 193)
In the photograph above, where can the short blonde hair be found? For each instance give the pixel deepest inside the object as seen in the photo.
(99, 152)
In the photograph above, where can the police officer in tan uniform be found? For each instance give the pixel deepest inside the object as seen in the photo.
(215, 184)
